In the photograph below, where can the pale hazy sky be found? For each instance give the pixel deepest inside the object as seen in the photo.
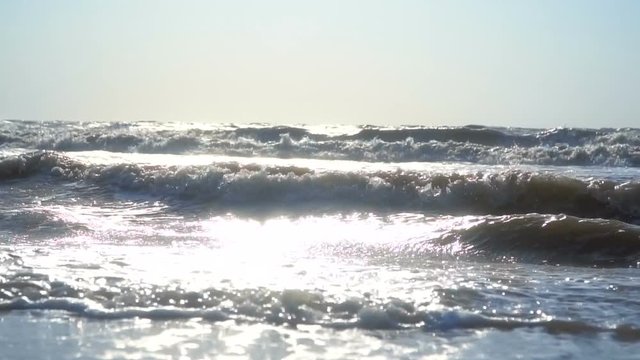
(540, 63)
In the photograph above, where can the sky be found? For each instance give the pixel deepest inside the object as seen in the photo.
(542, 63)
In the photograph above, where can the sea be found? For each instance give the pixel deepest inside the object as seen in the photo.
(154, 240)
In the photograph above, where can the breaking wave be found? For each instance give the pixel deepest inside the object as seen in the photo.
(230, 185)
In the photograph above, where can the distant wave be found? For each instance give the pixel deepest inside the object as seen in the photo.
(235, 185)
(468, 134)
(477, 144)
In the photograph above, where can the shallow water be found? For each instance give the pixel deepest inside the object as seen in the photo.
(147, 240)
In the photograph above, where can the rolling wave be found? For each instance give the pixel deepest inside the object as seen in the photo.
(553, 239)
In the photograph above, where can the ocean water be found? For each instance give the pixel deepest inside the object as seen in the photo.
(174, 241)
